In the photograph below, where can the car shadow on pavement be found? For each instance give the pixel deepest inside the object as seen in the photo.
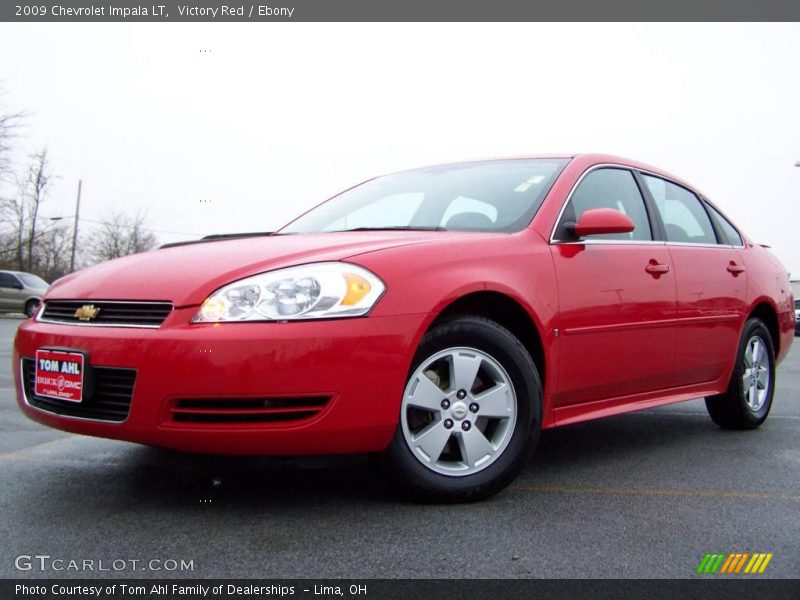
(154, 475)
(208, 480)
(104, 474)
(623, 437)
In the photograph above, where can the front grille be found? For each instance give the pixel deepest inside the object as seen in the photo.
(111, 400)
(110, 314)
(246, 410)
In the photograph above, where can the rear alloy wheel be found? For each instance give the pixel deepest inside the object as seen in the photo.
(748, 399)
(470, 413)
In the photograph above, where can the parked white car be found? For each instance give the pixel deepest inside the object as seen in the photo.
(21, 292)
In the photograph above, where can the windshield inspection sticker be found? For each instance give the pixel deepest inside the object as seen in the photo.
(532, 180)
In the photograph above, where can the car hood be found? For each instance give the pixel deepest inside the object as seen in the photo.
(186, 275)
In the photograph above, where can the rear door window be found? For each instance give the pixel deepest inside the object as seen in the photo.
(685, 219)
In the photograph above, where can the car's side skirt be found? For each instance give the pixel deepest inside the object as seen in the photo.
(575, 413)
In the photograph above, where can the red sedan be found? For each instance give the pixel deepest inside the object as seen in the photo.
(440, 317)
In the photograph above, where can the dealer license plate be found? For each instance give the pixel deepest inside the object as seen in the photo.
(59, 375)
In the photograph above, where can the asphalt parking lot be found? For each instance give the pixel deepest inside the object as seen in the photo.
(642, 495)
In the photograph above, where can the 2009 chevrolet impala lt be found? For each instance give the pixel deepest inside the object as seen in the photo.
(439, 317)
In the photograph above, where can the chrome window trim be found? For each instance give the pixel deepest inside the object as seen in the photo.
(60, 416)
(630, 169)
(553, 239)
(39, 314)
(701, 199)
(611, 243)
(694, 245)
(714, 207)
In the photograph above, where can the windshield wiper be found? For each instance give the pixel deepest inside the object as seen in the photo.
(217, 237)
(394, 228)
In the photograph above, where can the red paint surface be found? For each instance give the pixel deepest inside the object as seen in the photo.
(629, 336)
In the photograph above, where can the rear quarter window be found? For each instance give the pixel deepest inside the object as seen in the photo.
(732, 236)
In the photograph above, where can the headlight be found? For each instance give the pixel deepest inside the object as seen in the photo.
(315, 291)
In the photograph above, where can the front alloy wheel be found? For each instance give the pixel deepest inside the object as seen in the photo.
(470, 413)
(458, 411)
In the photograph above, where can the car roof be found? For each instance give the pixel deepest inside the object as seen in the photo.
(589, 159)
(19, 273)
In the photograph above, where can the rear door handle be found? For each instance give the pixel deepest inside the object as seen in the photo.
(735, 268)
(656, 268)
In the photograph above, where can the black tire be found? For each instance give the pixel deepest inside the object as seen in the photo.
(412, 478)
(731, 409)
(30, 307)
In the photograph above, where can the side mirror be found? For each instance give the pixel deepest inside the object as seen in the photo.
(597, 221)
(17, 285)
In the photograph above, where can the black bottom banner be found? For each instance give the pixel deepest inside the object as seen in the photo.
(405, 589)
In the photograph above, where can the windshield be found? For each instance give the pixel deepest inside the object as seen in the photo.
(500, 196)
(32, 281)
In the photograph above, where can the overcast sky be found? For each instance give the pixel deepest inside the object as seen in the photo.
(274, 118)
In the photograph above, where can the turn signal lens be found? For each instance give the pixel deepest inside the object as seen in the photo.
(357, 288)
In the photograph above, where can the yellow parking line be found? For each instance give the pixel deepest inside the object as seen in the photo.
(612, 491)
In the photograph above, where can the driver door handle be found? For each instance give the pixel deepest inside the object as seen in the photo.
(657, 268)
(735, 268)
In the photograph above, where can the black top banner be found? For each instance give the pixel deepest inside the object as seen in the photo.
(405, 10)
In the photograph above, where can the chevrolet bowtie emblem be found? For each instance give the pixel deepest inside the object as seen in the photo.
(87, 312)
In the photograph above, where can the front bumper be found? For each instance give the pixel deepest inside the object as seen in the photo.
(360, 364)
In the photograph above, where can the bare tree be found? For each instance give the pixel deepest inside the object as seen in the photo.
(53, 248)
(12, 232)
(25, 242)
(9, 215)
(9, 123)
(37, 185)
(120, 235)
(20, 226)
(8, 241)
(44, 248)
